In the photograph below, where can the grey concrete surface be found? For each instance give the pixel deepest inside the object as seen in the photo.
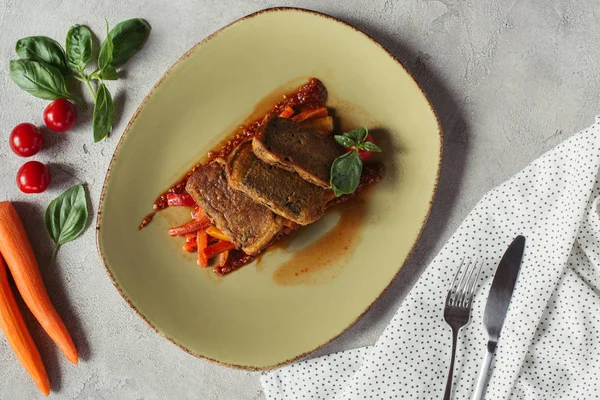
(509, 79)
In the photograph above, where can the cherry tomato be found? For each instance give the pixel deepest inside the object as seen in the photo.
(60, 115)
(364, 155)
(33, 177)
(26, 140)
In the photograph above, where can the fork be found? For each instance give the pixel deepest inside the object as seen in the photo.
(458, 306)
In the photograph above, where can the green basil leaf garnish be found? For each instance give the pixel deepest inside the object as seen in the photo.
(104, 113)
(66, 217)
(42, 49)
(128, 38)
(358, 135)
(108, 74)
(347, 168)
(105, 56)
(369, 146)
(344, 140)
(39, 79)
(79, 47)
(345, 173)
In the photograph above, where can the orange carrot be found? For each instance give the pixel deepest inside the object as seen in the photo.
(17, 251)
(197, 213)
(223, 258)
(314, 113)
(190, 247)
(17, 335)
(202, 243)
(287, 113)
(190, 227)
(217, 248)
(323, 125)
(214, 232)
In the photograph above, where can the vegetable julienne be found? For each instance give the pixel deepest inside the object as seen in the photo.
(210, 232)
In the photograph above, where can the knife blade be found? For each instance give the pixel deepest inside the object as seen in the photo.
(497, 304)
(502, 288)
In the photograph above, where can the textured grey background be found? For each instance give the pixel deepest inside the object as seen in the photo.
(509, 79)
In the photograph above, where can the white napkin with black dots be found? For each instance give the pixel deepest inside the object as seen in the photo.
(550, 343)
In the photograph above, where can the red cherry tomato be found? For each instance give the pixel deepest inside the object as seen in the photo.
(364, 155)
(60, 115)
(26, 140)
(33, 177)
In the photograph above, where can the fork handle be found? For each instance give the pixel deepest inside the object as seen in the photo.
(451, 372)
(484, 373)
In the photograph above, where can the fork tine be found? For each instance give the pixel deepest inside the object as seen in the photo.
(453, 287)
(473, 283)
(464, 294)
(462, 284)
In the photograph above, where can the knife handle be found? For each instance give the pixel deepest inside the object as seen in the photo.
(484, 373)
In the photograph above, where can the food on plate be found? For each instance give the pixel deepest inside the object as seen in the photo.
(346, 170)
(26, 140)
(283, 192)
(16, 250)
(60, 115)
(17, 335)
(246, 223)
(276, 174)
(288, 145)
(33, 177)
(364, 154)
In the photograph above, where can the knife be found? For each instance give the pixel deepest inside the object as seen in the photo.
(497, 306)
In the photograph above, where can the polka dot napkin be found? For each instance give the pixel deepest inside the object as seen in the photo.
(550, 343)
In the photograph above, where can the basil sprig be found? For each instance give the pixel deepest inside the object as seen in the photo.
(43, 66)
(106, 51)
(66, 217)
(104, 113)
(128, 37)
(43, 49)
(347, 168)
(39, 79)
(79, 47)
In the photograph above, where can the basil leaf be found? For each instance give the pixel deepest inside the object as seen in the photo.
(128, 38)
(345, 173)
(369, 146)
(105, 56)
(39, 79)
(66, 217)
(44, 49)
(344, 141)
(104, 113)
(108, 74)
(358, 135)
(79, 47)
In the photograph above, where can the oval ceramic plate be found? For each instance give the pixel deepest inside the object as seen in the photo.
(271, 312)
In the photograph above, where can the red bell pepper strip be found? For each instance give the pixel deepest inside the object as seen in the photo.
(190, 227)
(184, 199)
